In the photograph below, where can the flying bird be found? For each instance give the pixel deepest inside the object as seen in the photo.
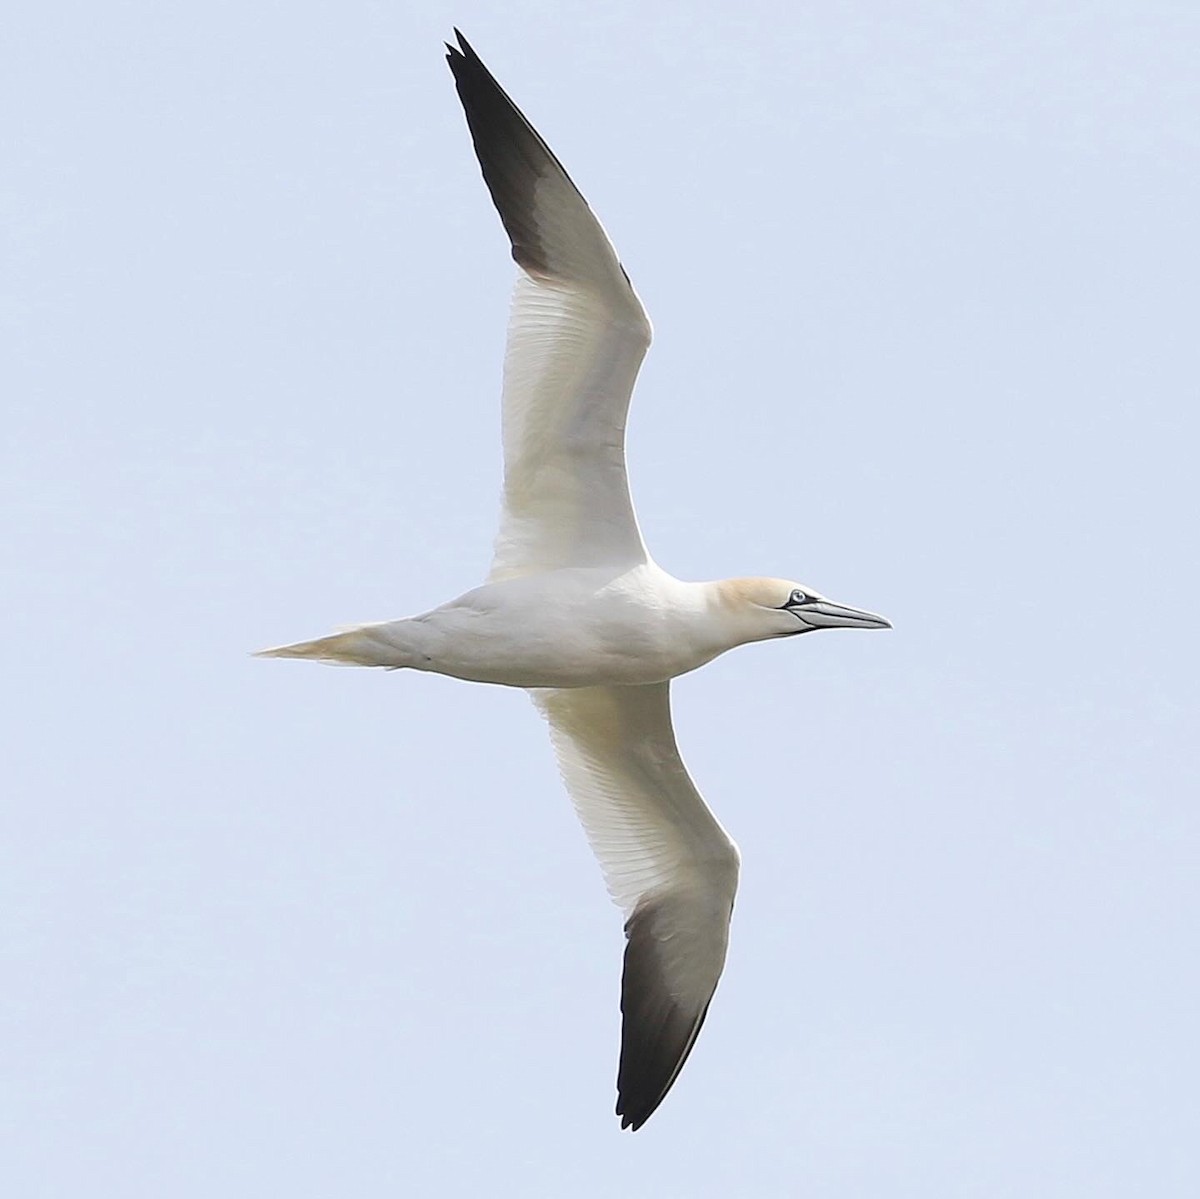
(577, 612)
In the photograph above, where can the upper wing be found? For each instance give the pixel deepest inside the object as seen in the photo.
(668, 863)
(576, 338)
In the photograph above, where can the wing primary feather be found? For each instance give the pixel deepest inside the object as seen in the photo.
(511, 153)
(657, 1032)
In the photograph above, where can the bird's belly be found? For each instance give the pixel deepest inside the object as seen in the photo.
(572, 647)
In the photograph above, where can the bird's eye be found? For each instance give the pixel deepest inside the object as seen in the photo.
(797, 597)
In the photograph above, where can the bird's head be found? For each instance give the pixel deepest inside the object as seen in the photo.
(767, 608)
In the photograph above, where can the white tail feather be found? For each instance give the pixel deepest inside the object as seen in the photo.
(366, 645)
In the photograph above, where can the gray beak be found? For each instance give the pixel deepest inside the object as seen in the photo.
(824, 615)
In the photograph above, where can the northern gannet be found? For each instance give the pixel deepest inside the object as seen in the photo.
(576, 611)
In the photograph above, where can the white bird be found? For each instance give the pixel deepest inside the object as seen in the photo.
(575, 609)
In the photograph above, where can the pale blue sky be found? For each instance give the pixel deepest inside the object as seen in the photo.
(924, 282)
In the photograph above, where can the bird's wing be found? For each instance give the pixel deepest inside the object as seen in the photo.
(668, 864)
(576, 337)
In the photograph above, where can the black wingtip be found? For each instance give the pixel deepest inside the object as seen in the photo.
(658, 1033)
(511, 154)
(462, 50)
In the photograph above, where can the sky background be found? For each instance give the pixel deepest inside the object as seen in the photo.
(924, 279)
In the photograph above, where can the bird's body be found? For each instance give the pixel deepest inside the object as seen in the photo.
(576, 611)
(576, 627)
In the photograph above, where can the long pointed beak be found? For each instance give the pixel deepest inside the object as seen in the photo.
(824, 615)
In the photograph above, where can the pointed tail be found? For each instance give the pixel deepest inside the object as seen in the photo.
(366, 645)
